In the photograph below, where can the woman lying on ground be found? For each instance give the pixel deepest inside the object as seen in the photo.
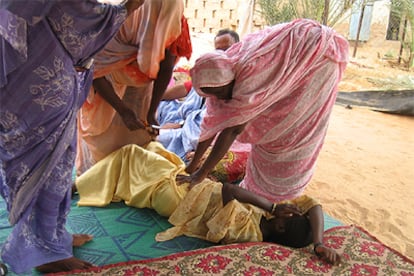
(221, 213)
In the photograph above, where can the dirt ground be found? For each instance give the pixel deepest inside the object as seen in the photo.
(365, 173)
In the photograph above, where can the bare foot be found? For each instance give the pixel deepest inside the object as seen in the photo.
(70, 263)
(64, 265)
(81, 239)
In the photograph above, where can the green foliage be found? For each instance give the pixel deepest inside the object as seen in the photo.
(275, 11)
(278, 11)
(405, 10)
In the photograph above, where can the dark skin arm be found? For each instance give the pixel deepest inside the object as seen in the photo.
(315, 215)
(221, 146)
(198, 155)
(160, 85)
(327, 254)
(230, 192)
(105, 89)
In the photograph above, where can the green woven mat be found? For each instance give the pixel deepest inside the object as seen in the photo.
(122, 233)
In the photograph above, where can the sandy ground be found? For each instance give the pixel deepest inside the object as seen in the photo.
(365, 172)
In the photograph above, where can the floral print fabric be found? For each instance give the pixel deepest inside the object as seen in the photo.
(39, 98)
(362, 254)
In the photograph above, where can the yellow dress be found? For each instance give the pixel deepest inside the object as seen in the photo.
(202, 215)
(145, 178)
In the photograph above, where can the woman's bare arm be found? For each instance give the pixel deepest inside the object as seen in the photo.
(317, 224)
(175, 92)
(231, 191)
(104, 88)
(221, 146)
(198, 155)
(160, 85)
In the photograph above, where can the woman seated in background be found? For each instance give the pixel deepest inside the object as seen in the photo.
(220, 213)
(180, 118)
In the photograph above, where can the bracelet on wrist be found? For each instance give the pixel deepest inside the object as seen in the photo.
(316, 245)
(274, 205)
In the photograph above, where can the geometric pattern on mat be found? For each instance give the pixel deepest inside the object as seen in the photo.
(362, 254)
(121, 233)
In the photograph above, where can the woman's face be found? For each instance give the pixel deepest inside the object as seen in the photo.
(223, 42)
(278, 225)
(222, 92)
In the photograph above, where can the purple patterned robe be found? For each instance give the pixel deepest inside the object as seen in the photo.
(40, 94)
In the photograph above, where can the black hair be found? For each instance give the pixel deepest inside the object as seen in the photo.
(234, 34)
(297, 234)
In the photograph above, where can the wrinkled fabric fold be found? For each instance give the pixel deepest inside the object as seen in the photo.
(39, 98)
(141, 177)
(13, 41)
(130, 62)
(286, 79)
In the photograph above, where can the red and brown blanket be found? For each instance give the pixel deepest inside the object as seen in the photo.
(362, 254)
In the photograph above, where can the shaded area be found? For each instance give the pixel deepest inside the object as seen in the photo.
(390, 101)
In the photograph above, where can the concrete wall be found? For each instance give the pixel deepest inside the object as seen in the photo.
(209, 16)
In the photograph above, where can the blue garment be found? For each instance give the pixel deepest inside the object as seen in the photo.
(167, 112)
(40, 94)
(190, 111)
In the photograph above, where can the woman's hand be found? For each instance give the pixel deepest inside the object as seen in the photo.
(193, 179)
(286, 210)
(131, 120)
(327, 254)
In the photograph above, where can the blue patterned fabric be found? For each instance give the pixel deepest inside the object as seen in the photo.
(40, 93)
